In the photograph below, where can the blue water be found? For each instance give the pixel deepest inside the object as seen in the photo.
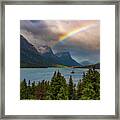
(39, 74)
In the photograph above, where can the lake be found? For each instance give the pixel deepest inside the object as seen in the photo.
(39, 74)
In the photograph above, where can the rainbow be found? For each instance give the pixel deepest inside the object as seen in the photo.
(71, 33)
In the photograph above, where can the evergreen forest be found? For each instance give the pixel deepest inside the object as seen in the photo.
(87, 88)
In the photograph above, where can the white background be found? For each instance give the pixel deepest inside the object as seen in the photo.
(15, 13)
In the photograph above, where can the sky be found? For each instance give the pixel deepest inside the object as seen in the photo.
(79, 37)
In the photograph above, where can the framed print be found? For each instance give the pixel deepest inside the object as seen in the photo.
(60, 60)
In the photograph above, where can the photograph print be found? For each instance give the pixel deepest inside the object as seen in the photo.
(59, 60)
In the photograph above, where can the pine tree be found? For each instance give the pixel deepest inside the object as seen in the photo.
(91, 86)
(55, 74)
(57, 85)
(33, 88)
(71, 88)
(75, 92)
(79, 89)
(29, 90)
(23, 89)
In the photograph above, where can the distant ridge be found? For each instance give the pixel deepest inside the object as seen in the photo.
(96, 66)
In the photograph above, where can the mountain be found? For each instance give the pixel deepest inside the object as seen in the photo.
(66, 59)
(47, 53)
(84, 63)
(97, 65)
(43, 56)
(29, 56)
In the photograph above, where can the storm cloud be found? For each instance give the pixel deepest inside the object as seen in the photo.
(80, 37)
